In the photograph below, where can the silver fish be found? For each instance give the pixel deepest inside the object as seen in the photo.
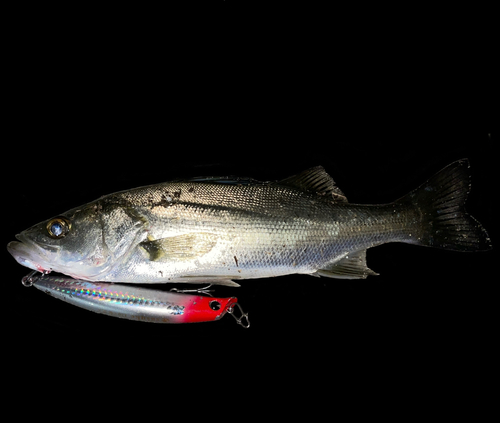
(219, 230)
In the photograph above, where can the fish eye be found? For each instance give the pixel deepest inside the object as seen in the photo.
(58, 227)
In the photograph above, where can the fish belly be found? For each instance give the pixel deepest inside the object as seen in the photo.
(193, 242)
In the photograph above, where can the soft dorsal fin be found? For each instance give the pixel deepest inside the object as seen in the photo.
(315, 180)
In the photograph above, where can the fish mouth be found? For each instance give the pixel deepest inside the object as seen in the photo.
(27, 254)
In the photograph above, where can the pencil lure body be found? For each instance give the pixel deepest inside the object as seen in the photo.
(134, 302)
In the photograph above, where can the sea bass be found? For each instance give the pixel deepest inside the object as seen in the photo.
(220, 230)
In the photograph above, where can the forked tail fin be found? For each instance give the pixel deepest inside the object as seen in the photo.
(441, 204)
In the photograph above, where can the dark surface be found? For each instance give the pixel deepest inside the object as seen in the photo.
(380, 117)
(421, 293)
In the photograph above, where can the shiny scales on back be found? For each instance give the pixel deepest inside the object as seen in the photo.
(219, 230)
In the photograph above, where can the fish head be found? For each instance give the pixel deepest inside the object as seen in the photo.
(83, 243)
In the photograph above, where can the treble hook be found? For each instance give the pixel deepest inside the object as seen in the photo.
(29, 279)
(243, 316)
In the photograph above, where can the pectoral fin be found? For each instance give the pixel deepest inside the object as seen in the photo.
(352, 266)
(182, 247)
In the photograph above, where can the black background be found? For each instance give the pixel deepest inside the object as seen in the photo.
(381, 113)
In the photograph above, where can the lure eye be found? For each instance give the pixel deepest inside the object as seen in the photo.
(58, 227)
(215, 305)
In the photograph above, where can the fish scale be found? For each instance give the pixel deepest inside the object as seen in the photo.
(249, 223)
(222, 229)
(269, 229)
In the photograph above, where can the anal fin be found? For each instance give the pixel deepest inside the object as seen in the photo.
(352, 266)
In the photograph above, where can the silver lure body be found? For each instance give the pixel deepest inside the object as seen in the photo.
(219, 230)
(133, 302)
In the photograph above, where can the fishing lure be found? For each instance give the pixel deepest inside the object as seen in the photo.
(136, 303)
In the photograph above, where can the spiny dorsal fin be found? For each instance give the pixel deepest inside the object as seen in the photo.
(315, 180)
